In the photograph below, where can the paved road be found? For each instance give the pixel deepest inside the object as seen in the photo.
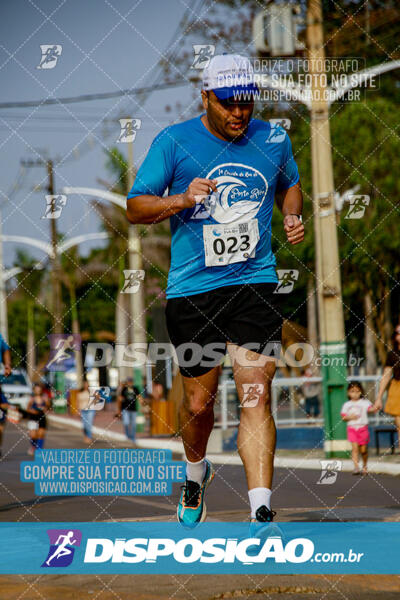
(200, 587)
(297, 497)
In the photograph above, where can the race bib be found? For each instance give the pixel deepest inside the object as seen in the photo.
(227, 244)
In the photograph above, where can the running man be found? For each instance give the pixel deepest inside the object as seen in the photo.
(132, 282)
(288, 279)
(49, 56)
(222, 277)
(126, 131)
(62, 549)
(357, 206)
(64, 349)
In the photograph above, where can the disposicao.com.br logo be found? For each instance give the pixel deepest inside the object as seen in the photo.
(213, 550)
(62, 547)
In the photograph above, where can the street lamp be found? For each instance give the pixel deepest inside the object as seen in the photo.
(3, 299)
(48, 249)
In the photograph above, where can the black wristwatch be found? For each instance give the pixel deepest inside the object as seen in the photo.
(300, 217)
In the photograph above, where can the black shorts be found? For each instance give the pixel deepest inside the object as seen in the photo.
(40, 418)
(199, 326)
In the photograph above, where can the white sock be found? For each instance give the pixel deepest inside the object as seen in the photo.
(258, 497)
(195, 471)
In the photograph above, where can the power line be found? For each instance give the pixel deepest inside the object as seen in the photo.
(90, 97)
(74, 119)
(63, 117)
(144, 91)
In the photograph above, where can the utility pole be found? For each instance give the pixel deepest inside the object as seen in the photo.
(3, 297)
(59, 380)
(55, 264)
(138, 320)
(55, 270)
(329, 295)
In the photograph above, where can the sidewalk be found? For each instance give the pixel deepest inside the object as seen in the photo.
(108, 427)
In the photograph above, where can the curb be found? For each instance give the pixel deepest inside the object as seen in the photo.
(106, 434)
(224, 458)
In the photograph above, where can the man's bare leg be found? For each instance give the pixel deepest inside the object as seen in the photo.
(197, 413)
(196, 423)
(257, 433)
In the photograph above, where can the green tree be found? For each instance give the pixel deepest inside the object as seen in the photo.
(27, 314)
(155, 239)
(366, 146)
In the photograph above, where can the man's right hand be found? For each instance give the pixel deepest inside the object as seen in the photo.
(198, 190)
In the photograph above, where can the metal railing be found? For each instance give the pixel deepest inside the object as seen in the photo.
(287, 404)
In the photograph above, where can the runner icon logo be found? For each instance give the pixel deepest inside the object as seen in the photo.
(205, 207)
(62, 351)
(357, 207)
(251, 394)
(287, 279)
(98, 396)
(54, 206)
(203, 53)
(129, 127)
(329, 471)
(133, 277)
(50, 56)
(62, 547)
(278, 130)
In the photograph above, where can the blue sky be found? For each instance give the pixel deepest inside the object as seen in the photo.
(107, 45)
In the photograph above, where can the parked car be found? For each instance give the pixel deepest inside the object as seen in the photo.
(17, 387)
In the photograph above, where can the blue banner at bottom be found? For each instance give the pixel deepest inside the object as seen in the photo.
(225, 548)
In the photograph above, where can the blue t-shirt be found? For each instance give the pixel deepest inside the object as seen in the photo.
(3, 413)
(248, 172)
(3, 346)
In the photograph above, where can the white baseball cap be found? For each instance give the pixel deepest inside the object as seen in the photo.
(229, 75)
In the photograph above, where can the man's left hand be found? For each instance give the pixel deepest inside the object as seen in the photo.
(7, 370)
(294, 229)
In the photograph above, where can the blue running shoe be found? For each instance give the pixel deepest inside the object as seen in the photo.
(191, 508)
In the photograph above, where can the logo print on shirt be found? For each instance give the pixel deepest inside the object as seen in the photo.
(241, 190)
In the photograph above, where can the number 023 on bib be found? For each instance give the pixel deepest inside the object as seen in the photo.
(227, 244)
